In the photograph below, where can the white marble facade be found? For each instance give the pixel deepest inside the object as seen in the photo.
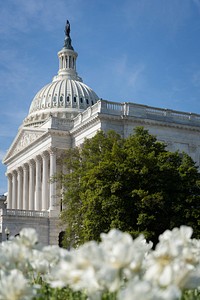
(62, 115)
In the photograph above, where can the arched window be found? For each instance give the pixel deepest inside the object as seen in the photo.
(61, 238)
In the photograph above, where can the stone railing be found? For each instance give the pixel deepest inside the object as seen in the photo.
(138, 111)
(26, 213)
(90, 111)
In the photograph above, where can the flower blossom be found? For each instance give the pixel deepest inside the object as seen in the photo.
(174, 258)
(14, 286)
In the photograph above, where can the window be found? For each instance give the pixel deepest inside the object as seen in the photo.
(69, 61)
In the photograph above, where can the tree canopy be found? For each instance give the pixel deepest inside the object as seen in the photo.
(132, 184)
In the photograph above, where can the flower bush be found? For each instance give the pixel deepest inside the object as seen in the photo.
(116, 268)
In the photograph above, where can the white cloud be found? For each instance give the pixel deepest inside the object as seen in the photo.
(120, 65)
(196, 78)
(7, 132)
(135, 75)
(170, 14)
(10, 121)
(23, 15)
(14, 71)
(2, 154)
(15, 15)
(129, 75)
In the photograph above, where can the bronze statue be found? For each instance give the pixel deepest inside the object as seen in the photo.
(67, 29)
(68, 40)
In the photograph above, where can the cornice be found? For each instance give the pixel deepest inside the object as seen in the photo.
(163, 124)
(143, 121)
(57, 132)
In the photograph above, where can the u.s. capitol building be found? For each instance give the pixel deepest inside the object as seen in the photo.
(62, 115)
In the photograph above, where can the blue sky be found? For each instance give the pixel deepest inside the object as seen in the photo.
(143, 51)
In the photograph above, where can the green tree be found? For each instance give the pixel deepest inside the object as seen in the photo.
(132, 184)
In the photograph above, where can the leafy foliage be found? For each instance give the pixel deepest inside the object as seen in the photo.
(132, 184)
(45, 292)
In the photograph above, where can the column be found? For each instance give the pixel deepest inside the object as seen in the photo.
(9, 197)
(45, 177)
(52, 183)
(31, 185)
(14, 190)
(38, 185)
(19, 189)
(25, 187)
(63, 188)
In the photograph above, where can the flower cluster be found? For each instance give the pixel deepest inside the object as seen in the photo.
(118, 264)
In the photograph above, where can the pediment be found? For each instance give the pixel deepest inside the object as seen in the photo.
(24, 139)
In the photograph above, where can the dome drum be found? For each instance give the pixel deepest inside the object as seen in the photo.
(37, 120)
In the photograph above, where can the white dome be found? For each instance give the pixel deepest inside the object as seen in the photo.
(65, 96)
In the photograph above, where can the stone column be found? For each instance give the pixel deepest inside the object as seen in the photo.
(38, 184)
(14, 190)
(25, 187)
(45, 177)
(52, 173)
(31, 184)
(9, 197)
(19, 189)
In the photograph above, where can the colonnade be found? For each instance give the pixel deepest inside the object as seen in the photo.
(29, 186)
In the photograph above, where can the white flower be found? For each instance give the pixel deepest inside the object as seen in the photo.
(78, 269)
(174, 258)
(144, 290)
(101, 267)
(54, 254)
(122, 252)
(39, 263)
(117, 264)
(173, 242)
(193, 280)
(14, 286)
(14, 255)
(46, 258)
(28, 237)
